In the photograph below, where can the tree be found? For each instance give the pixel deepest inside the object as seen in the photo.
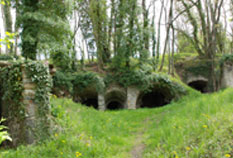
(205, 27)
(7, 20)
(44, 26)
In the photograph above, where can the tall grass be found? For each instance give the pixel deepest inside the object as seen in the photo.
(196, 126)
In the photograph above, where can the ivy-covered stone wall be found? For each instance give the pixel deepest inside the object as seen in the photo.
(25, 87)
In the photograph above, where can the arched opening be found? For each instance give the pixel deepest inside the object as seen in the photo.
(199, 85)
(114, 105)
(156, 97)
(153, 99)
(115, 100)
(87, 97)
(91, 102)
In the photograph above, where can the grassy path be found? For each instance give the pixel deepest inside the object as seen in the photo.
(198, 126)
(139, 146)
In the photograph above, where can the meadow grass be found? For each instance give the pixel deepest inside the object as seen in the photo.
(194, 127)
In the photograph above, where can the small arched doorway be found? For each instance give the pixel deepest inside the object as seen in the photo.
(114, 105)
(91, 102)
(88, 97)
(115, 100)
(200, 85)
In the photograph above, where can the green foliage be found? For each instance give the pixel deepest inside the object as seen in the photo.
(6, 57)
(63, 81)
(39, 74)
(226, 58)
(184, 45)
(8, 39)
(145, 80)
(11, 82)
(45, 26)
(197, 126)
(61, 60)
(12, 88)
(87, 79)
(3, 133)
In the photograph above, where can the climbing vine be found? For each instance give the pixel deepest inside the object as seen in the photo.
(12, 88)
(84, 80)
(226, 58)
(39, 75)
(13, 76)
(145, 81)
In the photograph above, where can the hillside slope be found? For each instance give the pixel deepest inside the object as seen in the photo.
(197, 126)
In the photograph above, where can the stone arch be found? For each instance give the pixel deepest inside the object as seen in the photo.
(156, 97)
(89, 97)
(199, 83)
(115, 98)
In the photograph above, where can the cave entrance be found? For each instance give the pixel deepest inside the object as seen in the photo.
(115, 105)
(199, 85)
(91, 102)
(115, 100)
(153, 99)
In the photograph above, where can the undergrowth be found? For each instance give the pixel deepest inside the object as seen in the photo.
(197, 126)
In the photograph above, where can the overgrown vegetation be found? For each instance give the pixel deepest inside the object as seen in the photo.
(13, 108)
(196, 126)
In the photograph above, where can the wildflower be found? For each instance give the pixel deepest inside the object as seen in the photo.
(78, 154)
(204, 126)
(91, 137)
(56, 135)
(227, 155)
(61, 153)
(88, 144)
(188, 148)
(175, 154)
(63, 141)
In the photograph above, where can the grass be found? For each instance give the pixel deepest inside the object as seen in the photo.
(196, 126)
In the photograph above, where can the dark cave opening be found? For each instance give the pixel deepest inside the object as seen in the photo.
(91, 102)
(199, 85)
(153, 99)
(114, 105)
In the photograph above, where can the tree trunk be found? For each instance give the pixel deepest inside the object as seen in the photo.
(168, 33)
(7, 20)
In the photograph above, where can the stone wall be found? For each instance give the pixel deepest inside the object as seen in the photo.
(227, 75)
(24, 123)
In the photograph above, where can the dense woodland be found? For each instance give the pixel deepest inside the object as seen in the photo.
(131, 42)
(115, 32)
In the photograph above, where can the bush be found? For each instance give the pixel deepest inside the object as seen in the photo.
(63, 82)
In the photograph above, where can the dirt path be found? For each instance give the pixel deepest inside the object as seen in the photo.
(139, 146)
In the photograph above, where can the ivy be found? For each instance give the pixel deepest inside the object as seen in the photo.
(84, 80)
(12, 88)
(39, 74)
(63, 81)
(145, 81)
(226, 58)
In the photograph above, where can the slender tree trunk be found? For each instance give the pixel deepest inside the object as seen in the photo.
(168, 33)
(159, 30)
(16, 27)
(7, 20)
(173, 52)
